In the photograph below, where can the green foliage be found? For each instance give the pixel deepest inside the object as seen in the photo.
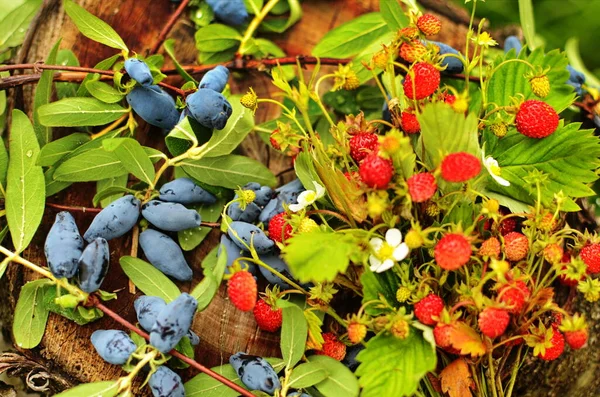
(90, 165)
(392, 366)
(42, 97)
(294, 331)
(31, 315)
(133, 157)
(117, 184)
(213, 269)
(558, 155)
(104, 92)
(97, 389)
(25, 197)
(339, 381)
(169, 46)
(393, 14)
(14, 25)
(191, 238)
(379, 287)
(306, 375)
(216, 38)
(305, 253)
(148, 279)
(80, 315)
(279, 25)
(52, 152)
(527, 22)
(77, 112)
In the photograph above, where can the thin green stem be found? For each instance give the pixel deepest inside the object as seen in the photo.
(125, 382)
(492, 375)
(256, 22)
(515, 370)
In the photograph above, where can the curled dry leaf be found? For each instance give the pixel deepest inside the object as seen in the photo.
(456, 379)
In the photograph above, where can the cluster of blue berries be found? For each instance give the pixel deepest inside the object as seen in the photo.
(207, 105)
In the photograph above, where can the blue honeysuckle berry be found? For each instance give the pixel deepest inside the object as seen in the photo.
(166, 383)
(185, 191)
(93, 265)
(115, 220)
(139, 71)
(63, 246)
(173, 323)
(255, 372)
(209, 108)
(172, 217)
(165, 254)
(154, 105)
(113, 346)
(232, 12)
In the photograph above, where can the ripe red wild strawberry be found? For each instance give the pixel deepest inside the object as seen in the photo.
(279, 228)
(268, 318)
(516, 246)
(514, 295)
(460, 167)
(242, 290)
(590, 254)
(421, 187)
(507, 225)
(409, 122)
(376, 172)
(426, 80)
(490, 248)
(362, 144)
(429, 24)
(442, 333)
(576, 339)
(412, 51)
(493, 321)
(429, 307)
(452, 251)
(536, 119)
(556, 349)
(332, 347)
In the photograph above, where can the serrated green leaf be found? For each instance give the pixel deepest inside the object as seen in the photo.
(443, 131)
(392, 366)
(149, 279)
(558, 155)
(228, 171)
(509, 80)
(102, 186)
(393, 14)
(25, 186)
(135, 160)
(352, 37)
(306, 375)
(191, 238)
(278, 25)
(93, 27)
(376, 286)
(104, 92)
(527, 22)
(340, 380)
(169, 46)
(294, 331)
(55, 150)
(75, 112)
(305, 252)
(31, 315)
(97, 389)
(43, 91)
(14, 25)
(224, 141)
(216, 38)
(91, 165)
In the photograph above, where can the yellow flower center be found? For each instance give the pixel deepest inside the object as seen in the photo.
(385, 252)
(311, 196)
(495, 169)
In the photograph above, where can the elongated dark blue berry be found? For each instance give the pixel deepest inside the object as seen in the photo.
(453, 65)
(233, 252)
(166, 383)
(147, 309)
(155, 106)
(209, 108)
(115, 220)
(165, 254)
(215, 79)
(172, 217)
(113, 346)
(93, 265)
(185, 191)
(255, 372)
(173, 322)
(251, 236)
(513, 42)
(232, 12)
(139, 71)
(63, 246)
(249, 214)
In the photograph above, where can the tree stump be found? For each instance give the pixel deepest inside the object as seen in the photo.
(66, 351)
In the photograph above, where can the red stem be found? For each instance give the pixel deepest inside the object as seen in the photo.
(169, 25)
(69, 208)
(95, 302)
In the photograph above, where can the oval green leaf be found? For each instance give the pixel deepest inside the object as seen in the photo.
(149, 279)
(93, 27)
(98, 389)
(76, 112)
(31, 315)
(294, 331)
(92, 165)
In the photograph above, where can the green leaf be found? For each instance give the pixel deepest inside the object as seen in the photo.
(228, 171)
(304, 253)
(72, 314)
(367, 53)
(104, 92)
(392, 366)
(169, 46)
(266, 48)
(340, 380)
(294, 331)
(306, 375)
(558, 155)
(75, 112)
(56, 150)
(66, 58)
(509, 79)
(213, 269)
(206, 386)
(352, 37)
(117, 182)
(278, 25)
(393, 14)
(92, 165)
(224, 141)
(527, 22)
(134, 159)
(182, 136)
(107, 388)
(31, 315)
(216, 38)
(148, 278)
(191, 238)
(93, 27)
(376, 286)
(443, 131)
(211, 58)
(14, 25)
(42, 97)
(105, 64)
(25, 189)
(3, 166)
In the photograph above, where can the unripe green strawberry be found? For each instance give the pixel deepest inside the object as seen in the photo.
(403, 294)
(414, 239)
(499, 129)
(516, 246)
(307, 225)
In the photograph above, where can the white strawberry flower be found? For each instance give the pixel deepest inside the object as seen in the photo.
(491, 165)
(387, 253)
(308, 197)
